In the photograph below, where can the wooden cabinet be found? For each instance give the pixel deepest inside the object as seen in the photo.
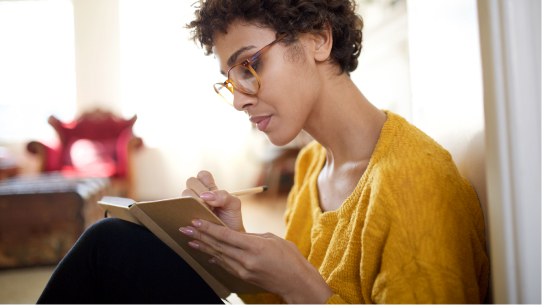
(41, 217)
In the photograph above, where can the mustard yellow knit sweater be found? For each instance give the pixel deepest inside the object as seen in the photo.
(411, 232)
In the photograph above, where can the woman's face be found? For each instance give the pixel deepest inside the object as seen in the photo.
(289, 80)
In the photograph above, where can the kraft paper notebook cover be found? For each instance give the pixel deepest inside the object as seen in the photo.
(164, 218)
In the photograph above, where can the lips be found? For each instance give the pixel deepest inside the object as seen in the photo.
(261, 121)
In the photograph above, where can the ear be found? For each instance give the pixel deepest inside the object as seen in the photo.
(323, 42)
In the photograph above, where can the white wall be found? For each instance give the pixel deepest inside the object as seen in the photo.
(383, 73)
(97, 55)
(37, 67)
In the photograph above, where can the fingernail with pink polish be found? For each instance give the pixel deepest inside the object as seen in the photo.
(193, 244)
(207, 196)
(212, 261)
(196, 223)
(186, 231)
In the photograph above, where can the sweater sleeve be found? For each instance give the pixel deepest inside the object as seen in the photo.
(335, 299)
(423, 282)
(426, 242)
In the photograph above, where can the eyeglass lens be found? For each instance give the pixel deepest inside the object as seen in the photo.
(225, 93)
(244, 79)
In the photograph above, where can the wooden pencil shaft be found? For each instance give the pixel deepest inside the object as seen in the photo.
(254, 190)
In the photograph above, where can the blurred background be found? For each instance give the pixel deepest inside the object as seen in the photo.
(66, 58)
(128, 65)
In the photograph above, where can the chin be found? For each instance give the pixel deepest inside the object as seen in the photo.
(280, 139)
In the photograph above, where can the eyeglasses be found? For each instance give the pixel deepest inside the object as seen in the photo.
(243, 77)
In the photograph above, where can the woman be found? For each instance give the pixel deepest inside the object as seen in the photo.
(378, 211)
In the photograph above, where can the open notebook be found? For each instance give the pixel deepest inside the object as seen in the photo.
(164, 218)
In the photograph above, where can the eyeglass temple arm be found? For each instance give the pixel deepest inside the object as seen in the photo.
(266, 47)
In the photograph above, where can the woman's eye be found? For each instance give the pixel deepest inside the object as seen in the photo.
(256, 65)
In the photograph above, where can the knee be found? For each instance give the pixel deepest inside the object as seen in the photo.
(105, 225)
(108, 228)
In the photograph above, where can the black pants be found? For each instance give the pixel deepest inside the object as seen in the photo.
(116, 261)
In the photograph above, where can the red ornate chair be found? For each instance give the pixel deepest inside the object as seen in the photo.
(98, 144)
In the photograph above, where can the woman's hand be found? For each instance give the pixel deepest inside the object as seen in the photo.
(265, 260)
(226, 206)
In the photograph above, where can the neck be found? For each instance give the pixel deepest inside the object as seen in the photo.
(344, 122)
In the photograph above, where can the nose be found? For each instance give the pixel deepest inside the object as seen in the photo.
(242, 101)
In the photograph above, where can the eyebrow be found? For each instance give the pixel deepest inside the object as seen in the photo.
(233, 58)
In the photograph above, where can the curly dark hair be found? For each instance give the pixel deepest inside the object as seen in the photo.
(285, 16)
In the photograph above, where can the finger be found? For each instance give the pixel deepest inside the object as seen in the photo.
(222, 199)
(223, 264)
(207, 179)
(267, 235)
(191, 193)
(231, 265)
(196, 185)
(222, 233)
(216, 247)
(221, 259)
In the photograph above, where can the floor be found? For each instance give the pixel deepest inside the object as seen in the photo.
(24, 286)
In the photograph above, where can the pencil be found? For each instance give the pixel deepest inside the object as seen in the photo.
(254, 190)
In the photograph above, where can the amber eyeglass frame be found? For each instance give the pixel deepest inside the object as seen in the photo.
(247, 63)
